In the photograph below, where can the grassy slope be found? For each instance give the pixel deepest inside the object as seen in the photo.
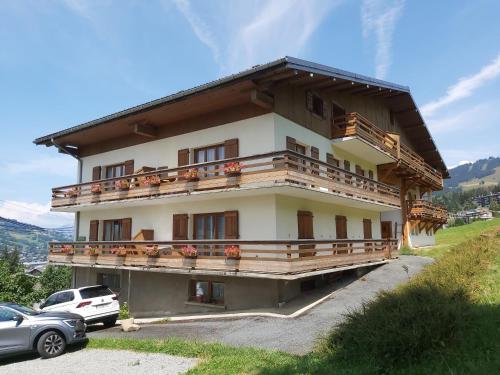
(472, 350)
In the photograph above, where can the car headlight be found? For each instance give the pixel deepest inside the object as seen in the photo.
(71, 322)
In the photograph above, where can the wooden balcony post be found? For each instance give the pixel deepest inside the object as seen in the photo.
(404, 213)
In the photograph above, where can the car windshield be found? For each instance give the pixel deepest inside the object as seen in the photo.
(24, 310)
(95, 291)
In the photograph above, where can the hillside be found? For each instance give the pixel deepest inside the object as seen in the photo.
(30, 240)
(482, 173)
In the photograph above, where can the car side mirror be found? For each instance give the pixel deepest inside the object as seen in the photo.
(18, 318)
(42, 304)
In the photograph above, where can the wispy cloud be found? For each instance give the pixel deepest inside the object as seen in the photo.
(379, 19)
(61, 166)
(35, 213)
(465, 87)
(255, 32)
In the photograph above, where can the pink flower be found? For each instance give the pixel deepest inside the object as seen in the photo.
(232, 252)
(189, 252)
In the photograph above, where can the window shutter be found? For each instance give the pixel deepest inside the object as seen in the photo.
(126, 229)
(231, 148)
(94, 230)
(305, 225)
(341, 227)
(291, 144)
(180, 227)
(183, 157)
(314, 152)
(129, 167)
(231, 225)
(367, 229)
(309, 101)
(96, 173)
(359, 170)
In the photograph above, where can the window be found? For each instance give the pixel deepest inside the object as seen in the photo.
(209, 227)
(52, 300)
(210, 292)
(207, 154)
(65, 297)
(116, 170)
(370, 174)
(95, 291)
(317, 106)
(111, 280)
(347, 165)
(6, 315)
(113, 230)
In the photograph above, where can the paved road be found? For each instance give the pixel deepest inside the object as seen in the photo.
(297, 335)
(97, 361)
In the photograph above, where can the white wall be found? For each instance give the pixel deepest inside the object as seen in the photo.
(257, 218)
(324, 219)
(256, 135)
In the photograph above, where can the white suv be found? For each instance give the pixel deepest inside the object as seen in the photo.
(94, 303)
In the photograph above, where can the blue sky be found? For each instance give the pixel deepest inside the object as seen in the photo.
(67, 62)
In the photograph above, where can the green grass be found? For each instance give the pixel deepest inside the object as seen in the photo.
(446, 320)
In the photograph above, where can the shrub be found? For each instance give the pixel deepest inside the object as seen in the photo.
(124, 313)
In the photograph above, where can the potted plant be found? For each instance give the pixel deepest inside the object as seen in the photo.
(189, 252)
(232, 252)
(91, 250)
(153, 251)
(72, 193)
(232, 169)
(152, 181)
(191, 174)
(96, 189)
(123, 184)
(68, 250)
(120, 251)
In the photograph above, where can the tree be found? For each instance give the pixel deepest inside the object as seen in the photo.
(54, 279)
(11, 259)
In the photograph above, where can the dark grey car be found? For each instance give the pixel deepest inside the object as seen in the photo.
(23, 329)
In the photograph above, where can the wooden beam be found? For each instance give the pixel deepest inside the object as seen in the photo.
(261, 99)
(145, 130)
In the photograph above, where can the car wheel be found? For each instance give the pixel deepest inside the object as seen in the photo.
(51, 344)
(109, 322)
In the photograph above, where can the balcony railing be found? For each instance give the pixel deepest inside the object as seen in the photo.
(353, 124)
(427, 211)
(272, 257)
(284, 168)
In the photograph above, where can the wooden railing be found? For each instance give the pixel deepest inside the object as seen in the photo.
(427, 211)
(265, 257)
(264, 170)
(353, 124)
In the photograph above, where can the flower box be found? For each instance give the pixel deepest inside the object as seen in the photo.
(153, 252)
(68, 250)
(96, 189)
(119, 251)
(152, 181)
(232, 169)
(232, 252)
(191, 174)
(122, 184)
(73, 193)
(189, 252)
(92, 251)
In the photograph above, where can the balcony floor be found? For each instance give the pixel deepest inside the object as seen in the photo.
(357, 146)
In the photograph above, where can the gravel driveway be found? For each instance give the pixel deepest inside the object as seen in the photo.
(99, 361)
(297, 335)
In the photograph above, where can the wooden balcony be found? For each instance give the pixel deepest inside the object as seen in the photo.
(275, 169)
(267, 259)
(426, 211)
(355, 125)
(409, 163)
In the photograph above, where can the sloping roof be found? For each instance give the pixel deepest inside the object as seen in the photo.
(412, 115)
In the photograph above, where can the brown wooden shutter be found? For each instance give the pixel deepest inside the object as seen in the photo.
(129, 167)
(314, 155)
(309, 101)
(291, 144)
(231, 225)
(96, 173)
(126, 229)
(305, 225)
(231, 148)
(182, 159)
(180, 227)
(341, 227)
(367, 229)
(360, 170)
(94, 230)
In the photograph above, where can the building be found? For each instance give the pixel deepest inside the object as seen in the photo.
(487, 200)
(246, 191)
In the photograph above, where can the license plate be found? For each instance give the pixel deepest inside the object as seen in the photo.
(101, 306)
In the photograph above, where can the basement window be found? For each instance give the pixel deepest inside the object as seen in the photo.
(209, 292)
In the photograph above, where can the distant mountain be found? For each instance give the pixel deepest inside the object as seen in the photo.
(483, 173)
(30, 240)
